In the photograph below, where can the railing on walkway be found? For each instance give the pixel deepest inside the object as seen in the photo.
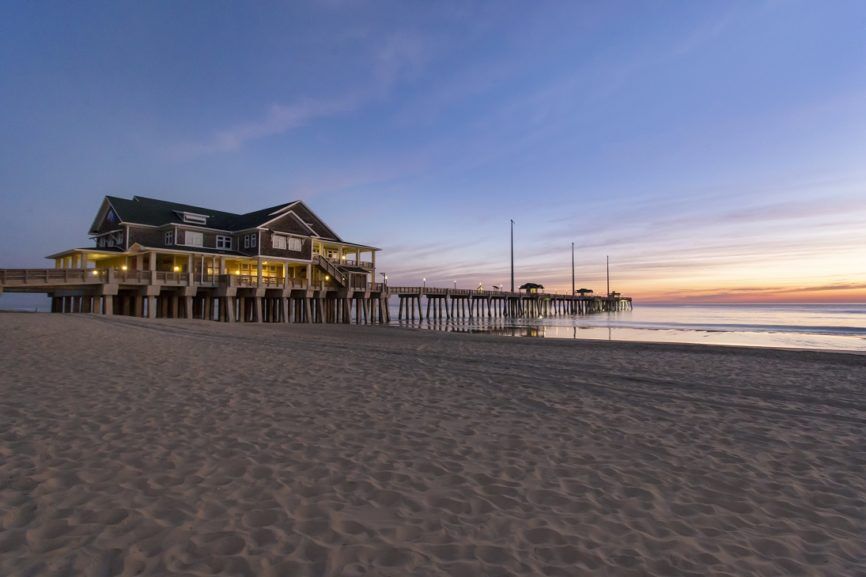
(29, 279)
(25, 276)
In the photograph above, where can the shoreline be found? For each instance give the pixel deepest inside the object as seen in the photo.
(489, 334)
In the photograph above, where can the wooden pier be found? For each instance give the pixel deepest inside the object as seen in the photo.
(231, 298)
(446, 304)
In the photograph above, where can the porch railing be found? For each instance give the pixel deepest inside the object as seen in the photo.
(351, 262)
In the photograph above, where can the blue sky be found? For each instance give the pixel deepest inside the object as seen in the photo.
(715, 150)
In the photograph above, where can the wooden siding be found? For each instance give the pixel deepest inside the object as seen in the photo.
(289, 224)
(318, 225)
(266, 236)
(238, 241)
(146, 236)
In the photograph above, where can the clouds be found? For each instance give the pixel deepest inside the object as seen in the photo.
(280, 119)
(394, 58)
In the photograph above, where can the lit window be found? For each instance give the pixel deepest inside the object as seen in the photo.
(194, 238)
(223, 241)
(169, 238)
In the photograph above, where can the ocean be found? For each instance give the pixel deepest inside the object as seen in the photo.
(839, 327)
(800, 326)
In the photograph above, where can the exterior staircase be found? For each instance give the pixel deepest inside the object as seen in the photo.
(334, 271)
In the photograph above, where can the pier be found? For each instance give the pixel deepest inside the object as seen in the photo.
(249, 298)
(442, 303)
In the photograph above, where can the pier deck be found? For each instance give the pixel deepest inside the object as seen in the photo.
(161, 294)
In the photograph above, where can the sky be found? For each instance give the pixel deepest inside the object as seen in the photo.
(714, 150)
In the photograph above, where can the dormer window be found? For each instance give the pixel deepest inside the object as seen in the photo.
(194, 218)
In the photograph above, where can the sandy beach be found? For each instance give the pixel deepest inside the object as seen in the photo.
(135, 447)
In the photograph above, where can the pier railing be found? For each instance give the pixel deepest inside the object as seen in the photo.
(48, 280)
(440, 291)
(24, 276)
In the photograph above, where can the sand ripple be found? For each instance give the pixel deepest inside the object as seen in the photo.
(134, 447)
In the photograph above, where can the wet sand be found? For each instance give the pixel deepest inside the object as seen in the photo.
(135, 447)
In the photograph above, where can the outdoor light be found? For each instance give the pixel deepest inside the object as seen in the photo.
(177, 269)
(327, 277)
(123, 267)
(95, 272)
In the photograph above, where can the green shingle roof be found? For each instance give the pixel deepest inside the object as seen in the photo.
(155, 212)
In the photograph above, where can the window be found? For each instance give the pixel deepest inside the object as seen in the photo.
(223, 241)
(169, 238)
(278, 241)
(250, 240)
(295, 244)
(193, 218)
(194, 238)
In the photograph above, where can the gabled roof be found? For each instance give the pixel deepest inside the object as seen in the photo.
(155, 212)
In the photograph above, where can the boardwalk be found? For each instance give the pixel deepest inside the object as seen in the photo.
(246, 298)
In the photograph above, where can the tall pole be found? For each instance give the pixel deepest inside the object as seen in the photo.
(572, 269)
(512, 255)
(608, 275)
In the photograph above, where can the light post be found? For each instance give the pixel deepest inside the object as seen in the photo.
(607, 266)
(512, 255)
(384, 280)
(425, 283)
(455, 285)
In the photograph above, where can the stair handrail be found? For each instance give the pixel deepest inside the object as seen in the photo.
(333, 269)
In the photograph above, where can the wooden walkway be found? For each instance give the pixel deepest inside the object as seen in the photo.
(230, 298)
(444, 303)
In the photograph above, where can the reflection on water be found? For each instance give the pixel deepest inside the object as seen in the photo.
(831, 327)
